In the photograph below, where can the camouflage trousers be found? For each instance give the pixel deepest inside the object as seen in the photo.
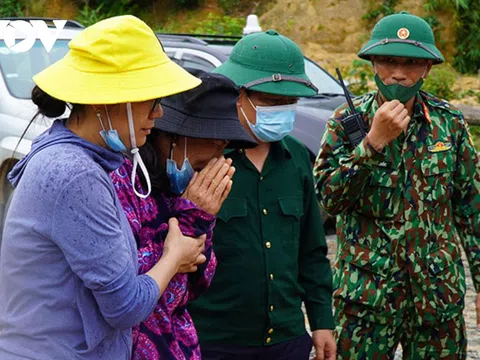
(360, 339)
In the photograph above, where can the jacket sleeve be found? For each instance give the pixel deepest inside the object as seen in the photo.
(194, 221)
(87, 229)
(341, 172)
(466, 202)
(315, 274)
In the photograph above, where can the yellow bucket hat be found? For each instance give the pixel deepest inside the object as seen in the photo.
(116, 60)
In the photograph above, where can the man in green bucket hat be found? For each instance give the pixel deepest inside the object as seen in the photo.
(268, 238)
(404, 183)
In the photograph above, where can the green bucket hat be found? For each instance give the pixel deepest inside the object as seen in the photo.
(402, 35)
(268, 62)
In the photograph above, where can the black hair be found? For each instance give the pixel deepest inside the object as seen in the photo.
(47, 106)
(156, 170)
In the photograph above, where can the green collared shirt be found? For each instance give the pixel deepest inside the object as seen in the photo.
(271, 253)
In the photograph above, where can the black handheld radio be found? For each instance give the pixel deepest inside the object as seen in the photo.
(353, 124)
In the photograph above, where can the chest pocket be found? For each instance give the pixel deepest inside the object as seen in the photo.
(438, 170)
(291, 210)
(232, 220)
(381, 196)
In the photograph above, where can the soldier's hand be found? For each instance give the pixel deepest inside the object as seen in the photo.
(389, 121)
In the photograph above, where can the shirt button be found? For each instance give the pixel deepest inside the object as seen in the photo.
(271, 307)
(264, 211)
(268, 244)
(261, 177)
(268, 340)
(270, 331)
(271, 276)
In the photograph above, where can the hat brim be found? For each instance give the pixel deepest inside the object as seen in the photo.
(241, 75)
(401, 50)
(176, 122)
(64, 82)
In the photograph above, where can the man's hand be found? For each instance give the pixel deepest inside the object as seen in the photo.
(209, 188)
(325, 346)
(389, 121)
(477, 307)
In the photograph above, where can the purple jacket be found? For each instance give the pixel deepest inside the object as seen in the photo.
(168, 333)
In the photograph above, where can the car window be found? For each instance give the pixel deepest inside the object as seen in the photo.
(190, 61)
(18, 68)
(321, 79)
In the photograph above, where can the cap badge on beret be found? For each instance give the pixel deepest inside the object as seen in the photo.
(403, 33)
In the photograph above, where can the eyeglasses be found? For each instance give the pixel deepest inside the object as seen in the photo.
(156, 102)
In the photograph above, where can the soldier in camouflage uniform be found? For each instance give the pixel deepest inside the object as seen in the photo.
(401, 196)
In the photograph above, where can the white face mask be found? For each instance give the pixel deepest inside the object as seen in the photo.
(137, 159)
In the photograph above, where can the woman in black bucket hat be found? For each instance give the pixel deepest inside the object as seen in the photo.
(190, 180)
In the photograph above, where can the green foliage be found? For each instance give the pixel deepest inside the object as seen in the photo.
(468, 93)
(437, 27)
(96, 10)
(220, 25)
(387, 7)
(88, 16)
(10, 8)
(188, 4)
(360, 76)
(467, 31)
(475, 132)
(229, 6)
(440, 81)
(467, 55)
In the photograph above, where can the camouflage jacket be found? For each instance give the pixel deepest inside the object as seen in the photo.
(401, 209)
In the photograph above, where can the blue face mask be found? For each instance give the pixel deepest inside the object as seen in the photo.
(111, 138)
(273, 122)
(179, 179)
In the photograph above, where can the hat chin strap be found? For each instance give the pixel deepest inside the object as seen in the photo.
(137, 159)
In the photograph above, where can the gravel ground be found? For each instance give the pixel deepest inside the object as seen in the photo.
(473, 335)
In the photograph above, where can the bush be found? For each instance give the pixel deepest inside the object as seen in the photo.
(189, 4)
(475, 132)
(360, 76)
(9, 8)
(220, 25)
(440, 81)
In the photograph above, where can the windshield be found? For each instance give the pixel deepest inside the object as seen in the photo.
(19, 68)
(321, 79)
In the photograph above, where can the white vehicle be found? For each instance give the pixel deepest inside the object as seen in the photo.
(16, 84)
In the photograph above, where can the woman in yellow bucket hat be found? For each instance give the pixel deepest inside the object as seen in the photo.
(68, 269)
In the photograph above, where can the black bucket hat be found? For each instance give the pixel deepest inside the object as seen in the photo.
(208, 111)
